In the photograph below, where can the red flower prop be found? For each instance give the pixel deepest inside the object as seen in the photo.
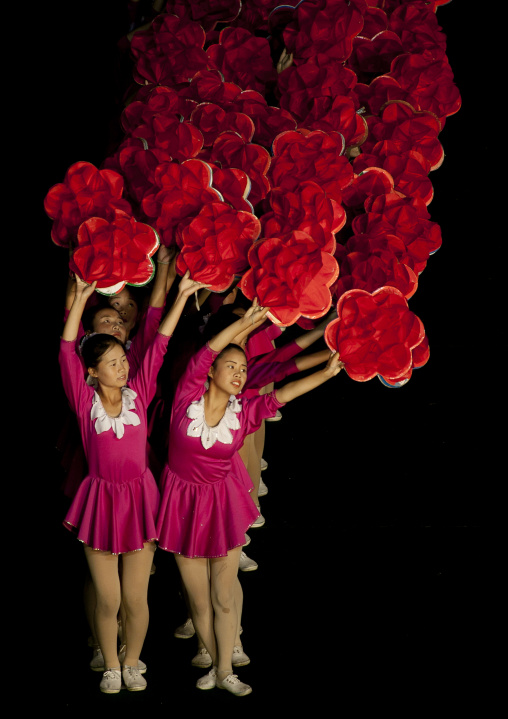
(137, 164)
(408, 219)
(292, 276)
(180, 193)
(209, 86)
(339, 116)
(309, 210)
(205, 13)
(169, 52)
(373, 56)
(420, 357)
(302, 85)
(268, 121)
(371, 263)
(316, 156)
(85, 192)
(234, 186)
(401, 129)
(214, 245)
(182, 140)
(375, 334)
(159, 101)
(324, 27)
(409, 171)
(416, 25)
(212, 119)
(243, 59)
(372, 181)
(229, 150)
(114, 253)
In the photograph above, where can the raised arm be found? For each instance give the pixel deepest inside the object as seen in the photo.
(306, 384)
(83, 292)
(186, 289)
(253, 318)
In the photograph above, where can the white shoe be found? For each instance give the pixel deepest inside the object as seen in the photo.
(97, 662)
(277, 416)
(247, 541)
(234, 685)
(246, 563)
(240, 659)
(264, 464)
(185, 630)
(202, 659)
(133, 679)
(111, 681)
(258, 523)
(209, 681)
(263, 489)
(121, 658)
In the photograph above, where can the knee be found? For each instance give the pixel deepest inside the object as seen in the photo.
(135, 603)
(223, 600)
(108, 605)
(200, 604)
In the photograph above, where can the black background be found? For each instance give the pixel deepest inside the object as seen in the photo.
(376, 559)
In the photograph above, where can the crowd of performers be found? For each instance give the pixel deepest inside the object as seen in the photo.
(206, 495)
(275, 165)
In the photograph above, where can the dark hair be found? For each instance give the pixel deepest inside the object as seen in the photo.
(230, 346)
(219, 321)
(96, 346)
(90, 313)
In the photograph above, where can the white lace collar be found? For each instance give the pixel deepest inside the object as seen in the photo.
(105, 422)
(221, 432)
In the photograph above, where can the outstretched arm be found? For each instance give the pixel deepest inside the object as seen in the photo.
(306, 384)
(186, 288)
(253, 318)
(83, 292)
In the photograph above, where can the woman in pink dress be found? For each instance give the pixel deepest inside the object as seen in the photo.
(205, 505)
(115, 507)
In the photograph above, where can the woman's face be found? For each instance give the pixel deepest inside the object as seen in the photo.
(127, 308)
(230, 372)
(113, 368)
(108, 322)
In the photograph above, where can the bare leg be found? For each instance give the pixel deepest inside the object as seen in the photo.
(194, 573)
(239, 608)
(90, 601)
(104, 571)
(135, 575)
(223, 584)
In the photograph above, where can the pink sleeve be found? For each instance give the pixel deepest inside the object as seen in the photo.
(145, 380)
(144, 337)
(260, 341)
(262, 373)
(76, 390)
(192, 383)
(256, 409)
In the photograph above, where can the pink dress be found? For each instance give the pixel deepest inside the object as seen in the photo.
(205, 506)
(115, 506)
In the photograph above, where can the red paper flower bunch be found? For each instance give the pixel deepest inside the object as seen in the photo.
(170, 52)
(180, 192)
(114, 252)
(85, 192)
(214, 244)
(376, 334)
(204, 12)
(243, 59)
(291, 275)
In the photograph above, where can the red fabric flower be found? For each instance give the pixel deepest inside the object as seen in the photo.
(374, 334)
(234, 186)
(409, 171)
(371, 263)
(180, 193)
(381, 90)
(243, 59)
(416, 25)
(157, 101)
(211, 120)
(230, 150)
(114, 253)
(300, 85)
(316, 156)
(209, 86)
(420, 357)
(324, 27)
(215, 243)
(169, 52)
(408, 219)
(292, 276)
(340, 116)
(204, 12)
(137, 164)
(308, 209)
(268, 121)
(372, 57)
(85, 192)
(370, 182)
